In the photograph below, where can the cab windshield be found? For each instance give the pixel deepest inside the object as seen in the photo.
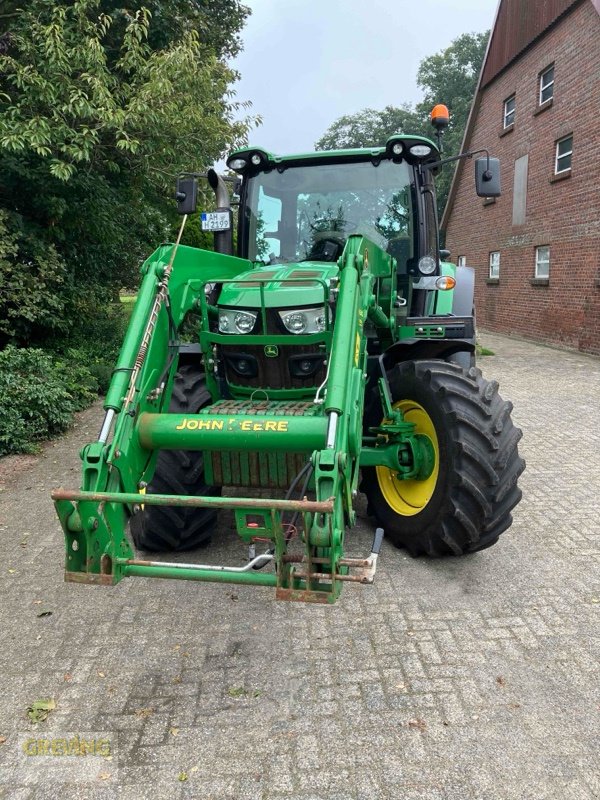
(306, 213)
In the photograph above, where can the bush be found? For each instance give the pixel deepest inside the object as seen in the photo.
(101, 331)
(102, 372)
(38, 396)
(77, 379)
(94, 343)
(32, 278)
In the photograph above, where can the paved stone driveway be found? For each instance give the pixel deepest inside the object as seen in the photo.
(469, 678)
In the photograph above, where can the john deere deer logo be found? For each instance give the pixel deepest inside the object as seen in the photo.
(271, 351)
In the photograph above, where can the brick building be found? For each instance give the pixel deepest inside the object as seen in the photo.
(536, 249)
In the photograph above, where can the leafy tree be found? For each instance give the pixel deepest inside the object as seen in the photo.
(370, 127)
(100, 107)
(448, 77)
(217, 22)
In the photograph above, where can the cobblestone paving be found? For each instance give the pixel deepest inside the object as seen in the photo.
(453, 679)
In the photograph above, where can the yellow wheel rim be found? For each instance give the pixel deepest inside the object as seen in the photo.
(410, 497)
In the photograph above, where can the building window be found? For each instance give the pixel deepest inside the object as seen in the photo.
(564, 151)
(495, 265)
(509, 111)
(542, 262)
(547, 84)
(462, 261)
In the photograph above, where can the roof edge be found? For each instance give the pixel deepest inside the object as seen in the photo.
(544, 32)
(479, 90)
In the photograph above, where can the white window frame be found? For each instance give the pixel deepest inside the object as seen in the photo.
(461, 261)
(558, 171)
(542, 262)
(494, 265)
(507, 114)
(544, 86)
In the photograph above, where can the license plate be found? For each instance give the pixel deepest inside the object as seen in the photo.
(215, 221)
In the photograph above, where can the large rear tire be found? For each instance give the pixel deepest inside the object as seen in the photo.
(171, 528)
(467, 501)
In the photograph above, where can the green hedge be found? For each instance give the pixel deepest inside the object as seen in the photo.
(38, 395)
(95, 340)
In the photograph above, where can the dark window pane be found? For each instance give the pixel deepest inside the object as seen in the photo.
(565, 146)
(564, 152)
(547, 93)
(509, 111)
(547, 85)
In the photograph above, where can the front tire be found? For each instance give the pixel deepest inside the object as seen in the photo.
(466, 503)
(181, 472)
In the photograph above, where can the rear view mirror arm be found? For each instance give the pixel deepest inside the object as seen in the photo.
(470, 154)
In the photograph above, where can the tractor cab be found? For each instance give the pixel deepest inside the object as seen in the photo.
(297, 216)
(299, 209)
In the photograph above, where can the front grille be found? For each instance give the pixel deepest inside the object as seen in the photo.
(257, 470)
(278, 372)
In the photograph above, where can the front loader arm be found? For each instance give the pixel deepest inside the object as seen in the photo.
(337, 466)
(95, 533)
(192, 268)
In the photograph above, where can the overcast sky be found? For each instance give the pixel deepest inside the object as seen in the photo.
(307, 62)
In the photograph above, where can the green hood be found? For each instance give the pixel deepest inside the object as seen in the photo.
(303, 288)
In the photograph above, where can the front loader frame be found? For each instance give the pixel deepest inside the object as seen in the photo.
(95, 518)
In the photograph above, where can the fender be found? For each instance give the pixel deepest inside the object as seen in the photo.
(463, 300)
(411, 350)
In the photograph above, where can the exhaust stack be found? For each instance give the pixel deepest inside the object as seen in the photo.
(223, 239)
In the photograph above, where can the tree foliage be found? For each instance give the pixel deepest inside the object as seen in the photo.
(370, 127)
(100, 107)
(448, 77)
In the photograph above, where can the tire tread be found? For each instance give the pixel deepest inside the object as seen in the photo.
(482, 486)
(180, 472)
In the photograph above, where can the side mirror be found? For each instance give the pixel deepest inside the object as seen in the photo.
(487, 177)
(186, 195)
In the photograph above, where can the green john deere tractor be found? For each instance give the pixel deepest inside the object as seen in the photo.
(334, 353)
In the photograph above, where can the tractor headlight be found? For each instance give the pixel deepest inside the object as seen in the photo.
(304, 320)
(427, 265)
(231, 321)
(420, 150)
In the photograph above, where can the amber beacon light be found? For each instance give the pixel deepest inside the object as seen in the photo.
(440, 116)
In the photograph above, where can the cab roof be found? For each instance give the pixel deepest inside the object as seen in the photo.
(353, 154)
